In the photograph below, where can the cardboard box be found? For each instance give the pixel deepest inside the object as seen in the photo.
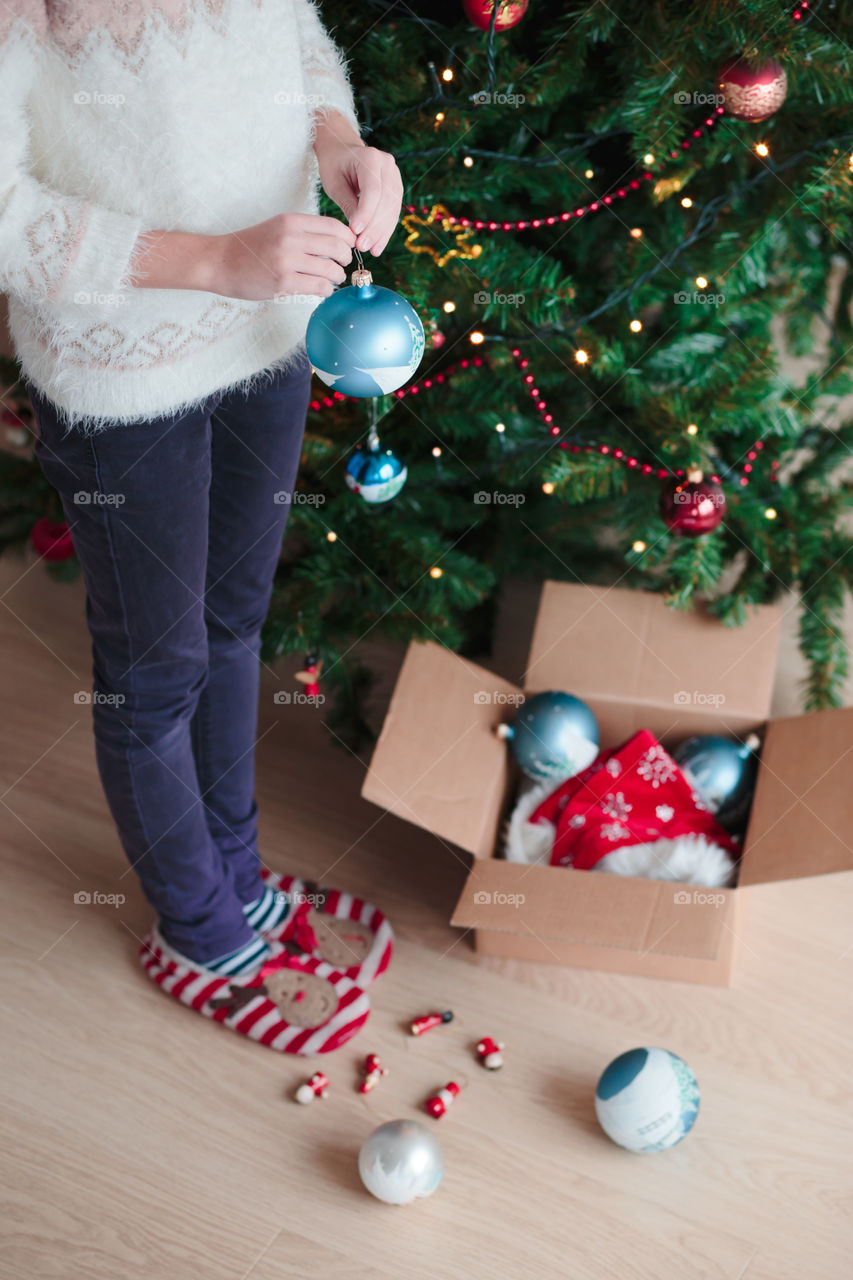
(638, 664)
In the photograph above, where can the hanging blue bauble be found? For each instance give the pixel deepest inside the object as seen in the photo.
(365, 340)
(377, 475)
(554, 735)
(722, 772)
(647, 1100)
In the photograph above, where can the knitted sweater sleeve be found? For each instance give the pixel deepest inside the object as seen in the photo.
(53, 246)
(324, 65)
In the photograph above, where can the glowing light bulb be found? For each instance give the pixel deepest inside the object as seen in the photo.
(499, 426)
(468, 161)
(638, 546)
(476, 337)
(770, 513)
(436, 453)
(547, 487)
(581, 356)
(589, 173)
(687, 203)
(449, 306)
(648, 158)
(439, 115)
(692, 429)
(435, 572)
(762, 149)
(636, 232)
(701, 282)
(331, 536)
(447, 73)
(635, 326)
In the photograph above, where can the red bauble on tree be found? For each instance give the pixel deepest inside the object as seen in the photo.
(52, 541)
(510, 13)
(752, 93)
(692, 506)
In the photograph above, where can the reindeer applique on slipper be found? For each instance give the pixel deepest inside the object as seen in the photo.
(296, 1003)
(346, 932)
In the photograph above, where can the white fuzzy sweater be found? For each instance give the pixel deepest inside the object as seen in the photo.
(124, 116)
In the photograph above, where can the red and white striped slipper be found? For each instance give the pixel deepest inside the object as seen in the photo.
(346, 932)
(293, 1004)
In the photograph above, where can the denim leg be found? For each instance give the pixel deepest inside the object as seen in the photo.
(137, 500)
(256, 444)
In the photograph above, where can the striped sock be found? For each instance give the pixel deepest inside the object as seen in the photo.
(267, 911)
(239, 962)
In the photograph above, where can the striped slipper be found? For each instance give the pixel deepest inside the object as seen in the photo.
(293, 1004)
(346, 932)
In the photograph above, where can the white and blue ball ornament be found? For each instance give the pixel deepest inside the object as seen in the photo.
(722, 772)
(401, 1161)
(647, 1100)
(376, 475)
(364, 340)
(554, 736)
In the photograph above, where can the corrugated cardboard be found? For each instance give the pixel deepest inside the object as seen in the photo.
(439, 764)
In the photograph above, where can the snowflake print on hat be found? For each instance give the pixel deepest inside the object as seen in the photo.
(665, 812)
(613, 767)
(616, 806)
(657, 766)
(614, 831)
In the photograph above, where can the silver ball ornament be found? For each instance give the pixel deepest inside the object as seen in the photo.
(401, 1161)
(554, 736)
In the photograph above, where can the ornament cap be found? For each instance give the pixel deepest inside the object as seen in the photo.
(360, 277)
(695, 475)
(752, 742)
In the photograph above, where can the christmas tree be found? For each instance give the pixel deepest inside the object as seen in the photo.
(620, 219)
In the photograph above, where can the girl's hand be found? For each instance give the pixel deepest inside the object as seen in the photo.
(363, 182)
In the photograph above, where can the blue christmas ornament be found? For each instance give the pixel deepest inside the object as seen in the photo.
(365, 340)
(647, 1100)
(375, 474)
(554, 735)
(722, 772)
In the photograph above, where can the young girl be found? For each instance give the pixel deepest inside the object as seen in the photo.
(162, 252)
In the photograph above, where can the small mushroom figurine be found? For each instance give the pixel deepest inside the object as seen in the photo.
(489, 1053)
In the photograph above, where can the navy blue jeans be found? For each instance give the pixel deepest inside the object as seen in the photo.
(177, 523)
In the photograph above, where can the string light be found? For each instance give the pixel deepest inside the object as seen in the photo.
(581, 356)
(447, 74)
(331, 536)
(692, 429)
(589, 173)
(635, 326)
(439, 116)
(770, 513)
(687, 203)
(547, 487)
(499, 427)
(468, 161)
(762, 149)
(701, 282)
(435, 572)
(476, 337)
(636, 232)
(638, 546)
(648, 158)
(449, 306)
(436, 452)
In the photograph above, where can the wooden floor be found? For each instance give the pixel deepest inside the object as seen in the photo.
(143, 1142)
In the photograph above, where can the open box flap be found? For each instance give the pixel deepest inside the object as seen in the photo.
(800, 823)
(589, 907)
(641, 664)
(438, 762)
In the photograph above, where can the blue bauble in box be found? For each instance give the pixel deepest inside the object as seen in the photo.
(364, 340)
(554, 736)
(722, 772)
(647, 1100)
(376, 475)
